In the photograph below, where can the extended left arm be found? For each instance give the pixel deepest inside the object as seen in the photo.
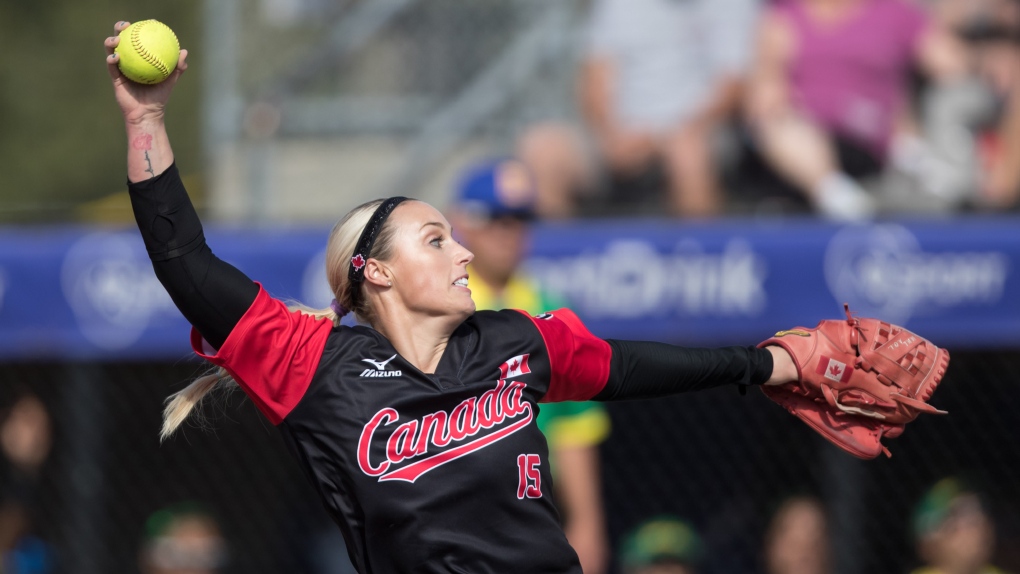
(641, 370)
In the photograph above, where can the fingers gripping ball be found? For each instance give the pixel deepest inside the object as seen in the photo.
(148, 52)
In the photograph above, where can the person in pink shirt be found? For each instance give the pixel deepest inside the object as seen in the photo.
(990, 30)
(830, 91)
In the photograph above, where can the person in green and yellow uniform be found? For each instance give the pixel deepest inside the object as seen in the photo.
(662, 545)
(955, 534)
(491, 211)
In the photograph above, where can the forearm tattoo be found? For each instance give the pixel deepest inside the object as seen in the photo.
(143, 143)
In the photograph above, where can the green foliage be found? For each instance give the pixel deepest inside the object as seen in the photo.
(61, 136)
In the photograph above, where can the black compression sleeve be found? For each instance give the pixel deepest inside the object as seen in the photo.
(211, 294)
(640, 370)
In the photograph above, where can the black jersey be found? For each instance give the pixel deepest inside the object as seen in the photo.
(443, 472)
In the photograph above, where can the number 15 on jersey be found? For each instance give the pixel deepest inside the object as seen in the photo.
(530, 484)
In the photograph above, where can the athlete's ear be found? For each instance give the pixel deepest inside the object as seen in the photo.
(377, 273)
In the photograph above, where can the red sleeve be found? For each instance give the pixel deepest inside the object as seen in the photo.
(272, 353)
(578, 359)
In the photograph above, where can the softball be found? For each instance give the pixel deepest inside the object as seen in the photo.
(148, 52)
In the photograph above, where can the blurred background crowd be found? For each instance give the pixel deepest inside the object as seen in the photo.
(511, 115)
(845, 108)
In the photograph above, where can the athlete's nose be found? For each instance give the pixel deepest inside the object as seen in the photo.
(465, 257)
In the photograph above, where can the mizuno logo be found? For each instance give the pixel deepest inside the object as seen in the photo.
(380, 365)
(380, 368)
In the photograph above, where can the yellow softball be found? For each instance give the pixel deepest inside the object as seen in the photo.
(148, 52)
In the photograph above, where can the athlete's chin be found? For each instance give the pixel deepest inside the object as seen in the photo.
(467, 309)
(463, 300)
(456, 311)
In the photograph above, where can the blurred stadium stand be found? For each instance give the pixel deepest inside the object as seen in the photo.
(356, 100)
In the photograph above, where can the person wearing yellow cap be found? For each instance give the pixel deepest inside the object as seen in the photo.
(662, 545)
(954, 532)
(183, 538)
(493, 206)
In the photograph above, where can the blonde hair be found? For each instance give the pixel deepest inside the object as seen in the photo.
(340, 247)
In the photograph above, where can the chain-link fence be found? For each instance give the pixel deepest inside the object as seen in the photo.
(726, 462)
(721, 460)
(393, 94)
(384, 66)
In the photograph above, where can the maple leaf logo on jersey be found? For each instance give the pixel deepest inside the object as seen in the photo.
(834, 370)
(515, 367)
(502, 408)
(358, 262)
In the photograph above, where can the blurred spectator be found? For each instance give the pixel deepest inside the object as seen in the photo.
(954, 532)
(25, 438)
(664, 545)
(26, 435)
(990, 108)
(493, 204)
(658, 82)
(183, 539)
(829, 100)
(797, 540)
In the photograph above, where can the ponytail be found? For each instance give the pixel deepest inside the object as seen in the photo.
(181, 404)
(339, 250)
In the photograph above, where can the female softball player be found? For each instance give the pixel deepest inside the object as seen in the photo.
(417, 429)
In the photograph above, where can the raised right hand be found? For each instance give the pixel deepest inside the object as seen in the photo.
(139, 102)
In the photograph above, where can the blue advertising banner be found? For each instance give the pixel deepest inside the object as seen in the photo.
(90, 293)
(738, 282)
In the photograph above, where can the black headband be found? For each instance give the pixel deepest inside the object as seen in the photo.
(356, 274)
